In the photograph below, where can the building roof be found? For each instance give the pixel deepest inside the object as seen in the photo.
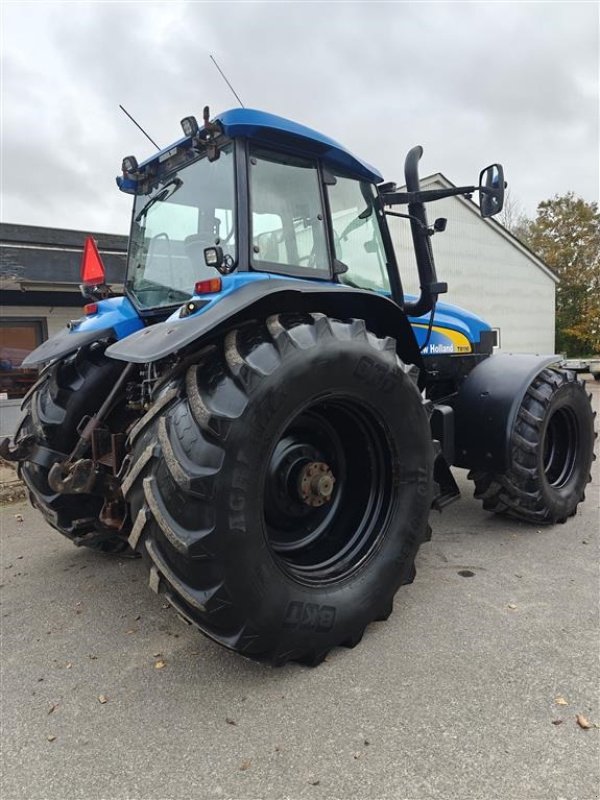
(35, 259)
(442, 180)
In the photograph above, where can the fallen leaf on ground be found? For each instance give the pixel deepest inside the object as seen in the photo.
(51, 737)
(512, 606)
(157, 655)
(131, 630)
(53, 707)
(102, 698)
(68, 665)
(557, 721)
(583, 722)
(230, 721)
(560, 701)
(160, 664)
(245, 765)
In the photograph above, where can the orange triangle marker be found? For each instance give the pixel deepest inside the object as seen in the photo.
(92, 268)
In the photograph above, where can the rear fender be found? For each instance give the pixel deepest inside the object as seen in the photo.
(115, 319)
(261, 298)
(487, 406)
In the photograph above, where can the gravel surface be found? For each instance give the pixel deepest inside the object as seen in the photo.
(106, 694)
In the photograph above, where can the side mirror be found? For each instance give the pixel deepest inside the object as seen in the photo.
(491, 190)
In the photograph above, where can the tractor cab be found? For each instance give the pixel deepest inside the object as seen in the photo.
(261, 196)
(254, 193)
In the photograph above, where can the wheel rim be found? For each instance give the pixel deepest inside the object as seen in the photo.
(328, 490)
(560, 447)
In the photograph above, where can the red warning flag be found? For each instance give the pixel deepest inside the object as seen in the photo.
(92, 268)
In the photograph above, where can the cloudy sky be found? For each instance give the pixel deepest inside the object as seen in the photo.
(473, 82)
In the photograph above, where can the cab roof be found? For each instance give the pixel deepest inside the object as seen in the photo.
(271, 130)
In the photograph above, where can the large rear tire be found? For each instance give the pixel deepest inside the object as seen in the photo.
(552, 448)
(282, 490)
(69, 390)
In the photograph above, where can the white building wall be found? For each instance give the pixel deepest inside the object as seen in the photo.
(56, 317)
(486, 274)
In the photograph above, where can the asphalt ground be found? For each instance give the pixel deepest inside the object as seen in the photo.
(455, 696)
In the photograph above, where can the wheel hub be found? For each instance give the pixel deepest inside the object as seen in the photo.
(315, 483)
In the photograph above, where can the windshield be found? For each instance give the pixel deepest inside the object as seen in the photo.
(192, 209)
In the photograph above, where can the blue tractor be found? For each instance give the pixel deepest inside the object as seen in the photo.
(264, 415)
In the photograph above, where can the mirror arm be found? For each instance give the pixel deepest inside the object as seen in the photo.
(426, 196)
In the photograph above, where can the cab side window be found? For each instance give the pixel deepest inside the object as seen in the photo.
(356, 234)
(288, 229)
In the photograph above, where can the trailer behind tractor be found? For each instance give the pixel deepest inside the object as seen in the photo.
(264, 415)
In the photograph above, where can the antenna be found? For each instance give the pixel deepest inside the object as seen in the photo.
(237, 97)
(124, 110)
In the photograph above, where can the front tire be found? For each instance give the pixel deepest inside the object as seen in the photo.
(283, 491)
(552, 449)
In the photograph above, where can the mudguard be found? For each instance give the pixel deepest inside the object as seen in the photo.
(487, 406)
(259, 299)
(115, 318)
(63, 343)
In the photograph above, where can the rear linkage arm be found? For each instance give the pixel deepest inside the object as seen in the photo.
(76, 474)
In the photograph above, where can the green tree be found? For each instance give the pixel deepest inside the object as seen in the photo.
(566, 236)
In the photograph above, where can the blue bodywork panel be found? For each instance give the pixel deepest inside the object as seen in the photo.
(229, 284)
(269, 130)
(454, 330)
(116, 318)
(117, 313)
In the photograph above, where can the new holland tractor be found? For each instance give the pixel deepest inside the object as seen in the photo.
(263, 415)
